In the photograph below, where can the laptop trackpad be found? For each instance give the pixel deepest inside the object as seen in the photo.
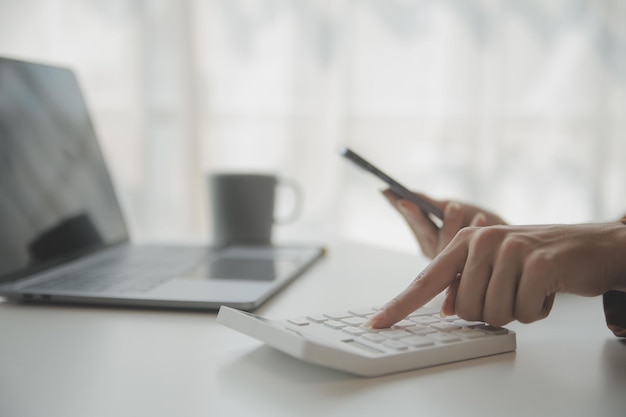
(240, 274)
(241, 268)
(259, 264)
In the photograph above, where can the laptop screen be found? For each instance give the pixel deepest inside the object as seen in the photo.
(56, 197)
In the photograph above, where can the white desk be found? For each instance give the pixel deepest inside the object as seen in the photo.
(87, 362)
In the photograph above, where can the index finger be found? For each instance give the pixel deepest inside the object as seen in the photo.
(431, 281)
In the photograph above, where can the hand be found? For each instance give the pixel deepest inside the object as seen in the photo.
(456, 216)
(499, 274)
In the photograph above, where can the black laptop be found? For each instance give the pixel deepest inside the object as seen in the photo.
(63, 237)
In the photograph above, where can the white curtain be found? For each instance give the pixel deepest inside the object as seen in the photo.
(515, 105)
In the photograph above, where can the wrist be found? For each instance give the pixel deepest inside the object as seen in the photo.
(621, 254)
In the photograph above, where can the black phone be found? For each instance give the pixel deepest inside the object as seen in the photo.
(427, 207)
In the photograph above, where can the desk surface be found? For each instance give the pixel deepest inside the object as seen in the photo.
(75, 361)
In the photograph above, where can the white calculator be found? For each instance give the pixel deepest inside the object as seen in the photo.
(338, 340)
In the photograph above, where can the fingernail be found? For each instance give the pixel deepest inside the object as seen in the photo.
(369, 324)
(389, 196)
(403, 205)
(453, 210)
(480, 220)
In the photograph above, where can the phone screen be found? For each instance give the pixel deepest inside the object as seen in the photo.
(426, 206)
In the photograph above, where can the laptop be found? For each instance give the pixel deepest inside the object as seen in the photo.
(63, 234)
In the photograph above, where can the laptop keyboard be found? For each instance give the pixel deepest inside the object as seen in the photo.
(131, 270)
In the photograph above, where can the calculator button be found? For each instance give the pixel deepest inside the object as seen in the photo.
(423, 331)
(354, 321)
(418, 341)
(444, 337)
(396, 345)
(469, 333)
(403, 324)
(334, 324)
(338, 316)
(491, 329)
(363, 312)
(418, 328)
(445, 326)
(357, 331)
(317, 318)
(299, 321)
(394, 334)
(465, 323)
(374, 337)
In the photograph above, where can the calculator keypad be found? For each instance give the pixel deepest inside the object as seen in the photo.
(421, 329)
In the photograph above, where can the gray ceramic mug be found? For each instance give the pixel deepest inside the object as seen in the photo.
(243, 207)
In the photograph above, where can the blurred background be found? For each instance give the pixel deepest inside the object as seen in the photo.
(515, 105)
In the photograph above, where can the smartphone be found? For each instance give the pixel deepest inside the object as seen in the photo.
(433, 212)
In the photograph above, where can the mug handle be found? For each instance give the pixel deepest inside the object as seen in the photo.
(297, 206)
